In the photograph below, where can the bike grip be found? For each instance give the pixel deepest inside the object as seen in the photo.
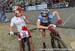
(14, 33)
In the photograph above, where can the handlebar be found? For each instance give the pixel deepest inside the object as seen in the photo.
(15, 33)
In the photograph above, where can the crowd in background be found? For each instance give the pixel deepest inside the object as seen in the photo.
(33, 2)
(6, 5)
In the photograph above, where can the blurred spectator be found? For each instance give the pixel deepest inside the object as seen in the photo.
(44, 1)
(30, 2)
(55, 1)
(3, 17)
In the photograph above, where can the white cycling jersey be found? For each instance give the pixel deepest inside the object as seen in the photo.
(19, 22)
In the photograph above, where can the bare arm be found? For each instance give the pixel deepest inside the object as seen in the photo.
(55, 13)
(27, 20)
(11, 28)
(39, 26)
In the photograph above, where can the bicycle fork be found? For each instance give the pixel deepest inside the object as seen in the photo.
(23, 44)
(53, 41)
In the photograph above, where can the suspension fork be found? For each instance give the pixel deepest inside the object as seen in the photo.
(28, 44)
(52, 34)
(52, 41)
(23, 44)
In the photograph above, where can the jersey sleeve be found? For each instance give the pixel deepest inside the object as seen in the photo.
(39, 18)
(12, 22)
(51, 16)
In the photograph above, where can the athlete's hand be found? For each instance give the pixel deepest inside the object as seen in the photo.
(59, 21)
(50, 28)
(11, 33)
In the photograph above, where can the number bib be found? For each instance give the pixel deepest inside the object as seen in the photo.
(24, 34)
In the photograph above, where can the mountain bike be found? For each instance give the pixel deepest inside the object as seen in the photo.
(24, 40)
(56, 42)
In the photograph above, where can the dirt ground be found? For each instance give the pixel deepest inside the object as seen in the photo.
(10, 43)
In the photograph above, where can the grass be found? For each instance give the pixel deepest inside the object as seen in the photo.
(10, 43)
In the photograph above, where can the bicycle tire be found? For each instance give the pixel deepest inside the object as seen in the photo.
(57, 43)
(25, 40)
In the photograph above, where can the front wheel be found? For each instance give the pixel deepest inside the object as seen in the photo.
(58, 44)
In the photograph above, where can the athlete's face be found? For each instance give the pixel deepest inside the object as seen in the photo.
(44, 17)
(17, 13)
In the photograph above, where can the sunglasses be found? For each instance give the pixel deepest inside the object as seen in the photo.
(44, 16)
